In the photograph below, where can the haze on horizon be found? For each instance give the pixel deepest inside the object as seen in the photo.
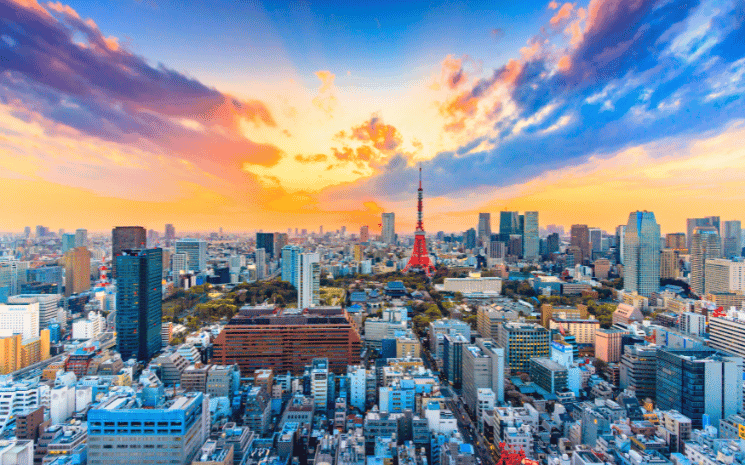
(268, 116)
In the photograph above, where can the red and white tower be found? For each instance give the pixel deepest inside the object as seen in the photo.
(419, 256)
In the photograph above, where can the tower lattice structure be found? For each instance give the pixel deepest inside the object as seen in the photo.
(419, 256)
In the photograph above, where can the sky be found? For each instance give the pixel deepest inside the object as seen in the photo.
(268, 115)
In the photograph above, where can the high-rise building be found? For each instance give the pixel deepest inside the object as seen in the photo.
(620, 234)
(676, 241)
(642, 254)
(126, 237)
(260, 262)
(389, 228)
(196, 249)
(364, 234)
(508, 223)
(727, 333)
(639, 370)
(531, 241)
(470, 239)
(452, 349)
(280, 240)
(732, 239)
(705, 244)
(268, 338)
(48, 306)
(291, 264)
(13, 275)
(77, 271)
(81, 237)
(170, 432)
(552, 243)
(693, 223)
(265, 241)
(580, 237)
(20, 319)
(483, 367)
(484, 231)
(723, 276)
(596, 239)
(698, 382)
(170, 235)
(179, 264)
(522, 341)
(670, 264)
(68, 242)
(138, 303)
(497, 249)
(309, 280)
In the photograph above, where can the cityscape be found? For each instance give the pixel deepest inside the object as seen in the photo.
(413, 233)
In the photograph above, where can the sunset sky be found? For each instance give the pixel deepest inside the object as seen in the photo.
(248, 115)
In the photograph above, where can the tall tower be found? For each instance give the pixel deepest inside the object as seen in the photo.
(642, 254)
(389, 228)
(705, 244)
(419, 256)
(484, 231)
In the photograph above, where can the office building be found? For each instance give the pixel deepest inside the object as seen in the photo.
(705, 245)
(17, 352)
(319, 383)
(265, 241)
(508, 224)
(81, 237)
(138, 303)
(196, 250)
(126, 237)
(179, 264)
(260, 262)
(48, 306)
(170, 234)
(698, 382)
(670, 264)
(389, 228)
(452, 355)
(548, 374)
(309, 280)
(531, 241)
(77, 270)
(552, 243)
(497, 249)
(582, 329)
(620, 233)
(722, 276)
(642, 254)
(693, 223)
(522, 341)
(727, 333)
(484, 231)
(469, 241)
(291, 264)
(608, 344)
(732, 239)
(38, 277)
(171, 432)
(580, 238)
(281, 340)
(596, 239)
(364, 234)
(676, 241)
(20, 319)
(638, 370)
(68, 242)
(483, 367)
(694, 324)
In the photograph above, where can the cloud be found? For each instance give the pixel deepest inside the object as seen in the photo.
(384, 137)
(317, 158)
(326, 99)
(100, 88)
(564, 13)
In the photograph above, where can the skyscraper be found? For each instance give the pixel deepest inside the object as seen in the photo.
(138, 303)
(126, 237)
(676, 241)
(470, 239)
(581, 238)
(693, 223)
(531, 241)
(77, 270)
(170, 234)
(389, 228)
(552, 243)
(732, 239)
(620, 233)
(265, 241)
(196, 249)
(309, 280)
(508, 224)
(290, 263)
(364, 234)
(642, 254)
(68, 242)
(260, 262)
(705, 244)
(484, 231)
(81, 237)
(596, 240)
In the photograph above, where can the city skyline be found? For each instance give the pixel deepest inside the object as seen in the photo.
(580, 111)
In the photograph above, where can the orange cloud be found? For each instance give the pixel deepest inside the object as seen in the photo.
(384, 137)
(553, 5)
(563, 14)
(326, 99)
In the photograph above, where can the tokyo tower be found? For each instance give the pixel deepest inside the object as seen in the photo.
(419, 256)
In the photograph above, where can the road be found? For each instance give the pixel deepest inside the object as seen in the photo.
(471, 436)
(23, 372)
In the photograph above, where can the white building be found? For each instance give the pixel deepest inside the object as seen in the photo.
(260, 262)
(724, 276)
(19, 319)
(88, 328)
(485, 401)
(309, 280)
(48, 306)
(728, 333)
(319, 383)
(196, 249)
(16, 398)
(388, 234)
(357, 382)
(179, 263)
(62, 405)
(472, 285)
(693, 323)
(17, 451)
